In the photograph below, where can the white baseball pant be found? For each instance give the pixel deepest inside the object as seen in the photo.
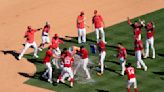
(102, 58)
(102, 33)
(27, 45)
(132, 81)
(56, 61)
(122, 63)
(85, 63)
(139, 60)
(150, 42)
(81, 35)
(48, 70)
(45, 38)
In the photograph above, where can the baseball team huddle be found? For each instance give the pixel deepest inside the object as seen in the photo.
(64, 59)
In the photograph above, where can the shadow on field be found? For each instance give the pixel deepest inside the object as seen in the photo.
(100, 90)
(114, 62)
(12, 52)
(159, 73)
(26, 75)
(35, 61)
(159, 54)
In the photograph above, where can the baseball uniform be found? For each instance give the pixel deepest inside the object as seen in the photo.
(131, 78)
(47, 63)
(122, 59)
(45, 35)
(84, 59)
(150, 39)
(138, 49)
(29, 35)
(102, 54)
(97, 20)
(81, 29)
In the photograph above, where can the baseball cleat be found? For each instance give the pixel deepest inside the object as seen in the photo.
(39, 49)
(99, 74)
(50, 81)
(145, 69)
(36, 56)
(71, 84)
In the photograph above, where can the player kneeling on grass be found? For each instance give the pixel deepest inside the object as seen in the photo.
(122, 55)
(102, 54)
(131, 78)
(138, 50)
(67, 70)
(49, 54)
(45, 36)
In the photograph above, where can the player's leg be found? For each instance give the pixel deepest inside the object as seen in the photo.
(137, 58)
(84, 35)
(135, 86)
(49, 72)
(97, 34)
(141, 61)
(60, 77)
(77, 67)
(35, 49)
(85, 63)
(152, 46)
(102, 34)
(102, 58)
(79, 35)
(45, 73)
(123, 67)
(70, 72)
(147, 49)
(27, 45)
(129, 85)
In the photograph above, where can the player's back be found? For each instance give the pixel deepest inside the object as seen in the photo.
(130, 72)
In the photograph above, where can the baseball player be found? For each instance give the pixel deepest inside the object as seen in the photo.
(49, 54)
(131, 78)
(150, 38)
(84, 58)
(29, 35)
(102, 54)
(122, 55)
(55, 43)
(81, 28)
(45, 36)
(138, 50)
(67, 62)
(98, 23)
(137, 28)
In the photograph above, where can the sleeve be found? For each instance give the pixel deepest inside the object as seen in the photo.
(100, 17)
(93, 19)
(60, 41)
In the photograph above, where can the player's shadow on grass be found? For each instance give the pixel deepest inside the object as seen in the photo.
(71, 40)
(114, 62)
(159, 73)
(100, 90)
(159, 54)
(12, 52)
(35, 61)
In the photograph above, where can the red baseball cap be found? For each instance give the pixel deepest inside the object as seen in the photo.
(28, 27)
(82, 13)
(56, 35)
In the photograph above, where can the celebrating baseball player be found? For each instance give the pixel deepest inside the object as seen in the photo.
(45, 36)
(29, 35)
(138, 50)
(67, 70)
(98, 23)
(84, 59)
(56, 41)
(102, 54)
(131, 78)
(81, 28)
(122, 55)
(47, 59)
(137, 28)
(150, 38)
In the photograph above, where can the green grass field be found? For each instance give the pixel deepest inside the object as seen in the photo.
(150, 81)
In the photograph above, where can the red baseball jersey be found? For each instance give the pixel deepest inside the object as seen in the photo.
(150, 30)
(48, 56)
(130, 73)
(101, 46)
(68, 61)
(97, 20)
(56, 42)
(30, 35)
(84, 53)
(138, 45)
(46, 28)
(81, 24)
(122, 52)
(137, 32)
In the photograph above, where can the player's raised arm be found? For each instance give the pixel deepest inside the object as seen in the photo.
(129, 21)
(142, 22)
